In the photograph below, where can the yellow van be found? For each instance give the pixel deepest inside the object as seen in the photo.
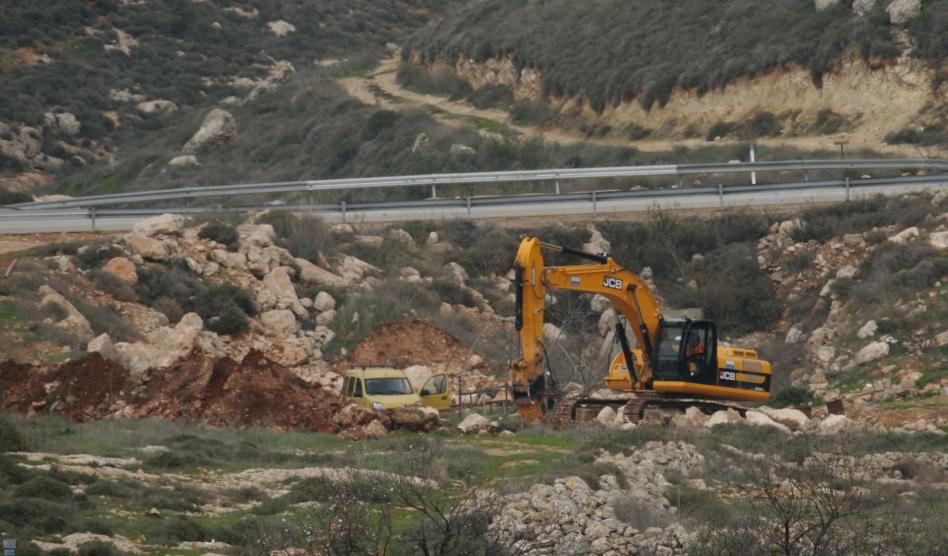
(382, 388)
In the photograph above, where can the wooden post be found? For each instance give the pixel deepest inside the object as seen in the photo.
(10, 268)
(460, 398)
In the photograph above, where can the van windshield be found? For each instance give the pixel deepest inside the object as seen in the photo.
(383, 386)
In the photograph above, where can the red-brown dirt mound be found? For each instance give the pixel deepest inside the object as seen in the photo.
(405, 343)
(254, 392)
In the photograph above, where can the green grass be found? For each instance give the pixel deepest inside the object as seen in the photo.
(351, 68)
(484, 124)
(8, 316)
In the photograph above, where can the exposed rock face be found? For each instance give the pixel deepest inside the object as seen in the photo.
(64, 122)
(74, 322)
(868, 330)
(123, 268)
(280, 287)
(218, 128)
(165, 224)
(794, 419)
(184, 160)
(905, 236)
(825, 4)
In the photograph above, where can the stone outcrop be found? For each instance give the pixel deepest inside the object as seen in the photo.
(122, 268)
(218, 128)
(165, 224)
(73, 322)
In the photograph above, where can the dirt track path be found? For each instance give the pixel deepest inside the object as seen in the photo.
(382, 89)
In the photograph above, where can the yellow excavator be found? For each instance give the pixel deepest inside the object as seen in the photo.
(675, 363)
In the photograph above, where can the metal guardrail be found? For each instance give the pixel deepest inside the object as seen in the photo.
(518, 176)
(469, 204)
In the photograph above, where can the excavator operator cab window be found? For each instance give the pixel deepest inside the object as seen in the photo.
(686, 351)
(668, 348)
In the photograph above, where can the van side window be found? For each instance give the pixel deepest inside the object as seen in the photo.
(358, 387)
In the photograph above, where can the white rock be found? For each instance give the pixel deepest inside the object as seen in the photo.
(863, 7)
(375, 429)
(723, 417)
(326, 317)
(599, 303)
(696, 417)
(158, 105)
(218, 128)
(847, 271)
(825, 4)
(279, 322)
(147, 248)
(184, 160)
(834, 423)
(597, 244)
(793, 418)
(401, 236)
(872, 352)
(868, 330)
(323, 302)
(552, 333)
(905, 236)
(903, 11)
(74, 322)
(474, 422)
(165, 224)
(457, 272)
(762, 420)
(319, 276)
(939, 240)
(607, 416)
(794, 336)
(102, 344)
(607, 321)
(261, 235)
(281, 28)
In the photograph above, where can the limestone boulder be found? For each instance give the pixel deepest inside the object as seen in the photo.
(147, 248)
(123, 269)
(474, 423)
(794, 419)
(102, 344)
(73, 322)
(761, 419)
(218, 129)
(319, 276)
(324, 302)
(375, 430)
(415, 418)
(723, 417)
(261, 235)
(164, 224)
(939, 240)
(834, 423)
(279, 322)
(872, 352)
(901, 12)
(905, 236)
(867, 330)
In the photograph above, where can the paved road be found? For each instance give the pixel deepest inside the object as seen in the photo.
(78, 221)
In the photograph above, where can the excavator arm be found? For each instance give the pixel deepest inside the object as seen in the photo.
(627, 291)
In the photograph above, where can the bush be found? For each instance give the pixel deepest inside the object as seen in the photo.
(720, 129)
(45, 488)
(113, 285)
(98, 548)
(492, 96)
(305, 237)
(222, 233)
(792, 396)
(8, 197)
(11, 440)
(95, 255)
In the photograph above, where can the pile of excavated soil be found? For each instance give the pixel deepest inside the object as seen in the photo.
(254, 392)
(406, 343)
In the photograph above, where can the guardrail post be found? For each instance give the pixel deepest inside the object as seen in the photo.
(721, 194)
(557, 183)
(342, 206)
(434, 191)
(595, 207)
(92, 216)
(847, 189)
(468, 208)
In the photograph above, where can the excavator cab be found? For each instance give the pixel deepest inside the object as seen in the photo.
(686, 350)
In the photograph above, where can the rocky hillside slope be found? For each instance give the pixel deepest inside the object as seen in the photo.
(867, 71)
(847, 301)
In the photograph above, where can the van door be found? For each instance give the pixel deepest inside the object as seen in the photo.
(435, 392)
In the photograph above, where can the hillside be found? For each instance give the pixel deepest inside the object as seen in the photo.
(692, 69)
(145, 368)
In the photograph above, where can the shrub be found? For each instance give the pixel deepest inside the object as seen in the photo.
(8, 197)
(113, 285)
(176, 530)
(45, 488)
(11, 440)
(98, 548)
(222, 233)
(492, 96)
(792, 396)
(720, 129)
(304, 237)
(95, 255)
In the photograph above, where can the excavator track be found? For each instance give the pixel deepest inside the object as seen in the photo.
(642, 409)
